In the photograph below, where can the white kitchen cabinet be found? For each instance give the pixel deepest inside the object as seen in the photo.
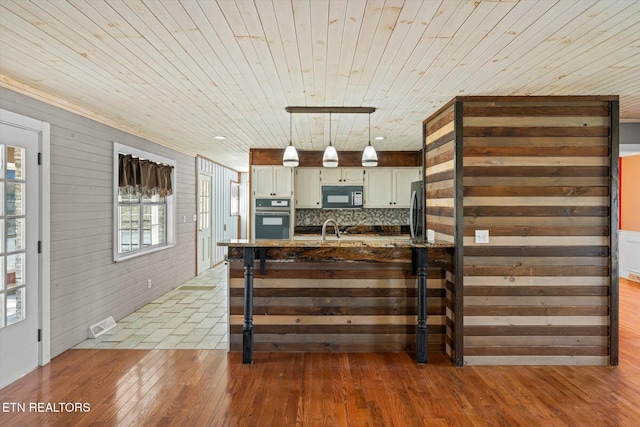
(272, 181)
(378, 186)
(342, 176)
(402, 179)
(389, 187)
(307, 188)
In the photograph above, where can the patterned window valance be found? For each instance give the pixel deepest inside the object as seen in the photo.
(143, 176)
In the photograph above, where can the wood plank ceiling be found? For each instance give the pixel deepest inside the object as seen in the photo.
(182, 72)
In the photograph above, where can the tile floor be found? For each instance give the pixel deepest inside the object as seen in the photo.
(180, 319)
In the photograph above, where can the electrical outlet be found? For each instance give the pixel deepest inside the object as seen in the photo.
(482, 236)
(149, 284)
(431, 236)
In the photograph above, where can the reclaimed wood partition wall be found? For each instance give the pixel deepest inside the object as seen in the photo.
(440, 185)
(540, 173)
(330, 300)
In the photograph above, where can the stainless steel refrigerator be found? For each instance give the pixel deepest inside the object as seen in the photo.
(417, 223)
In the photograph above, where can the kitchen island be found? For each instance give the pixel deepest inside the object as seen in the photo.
(347, 294)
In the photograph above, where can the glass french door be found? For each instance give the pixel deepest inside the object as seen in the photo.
(19, 231)
(204, 222)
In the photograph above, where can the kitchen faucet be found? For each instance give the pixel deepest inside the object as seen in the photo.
(335, 227)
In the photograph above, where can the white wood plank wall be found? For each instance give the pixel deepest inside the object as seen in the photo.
(86, 285)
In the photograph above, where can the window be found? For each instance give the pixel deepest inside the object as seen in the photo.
(144, 202)
(13, 221)
(235, 198)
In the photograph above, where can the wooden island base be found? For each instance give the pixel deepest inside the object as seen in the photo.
(339, 299)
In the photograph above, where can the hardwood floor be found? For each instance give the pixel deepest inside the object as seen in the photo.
(211, 387)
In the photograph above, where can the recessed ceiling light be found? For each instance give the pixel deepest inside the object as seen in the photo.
(219, 137)
(379, 138)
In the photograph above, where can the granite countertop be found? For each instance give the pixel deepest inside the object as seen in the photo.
(350, 242)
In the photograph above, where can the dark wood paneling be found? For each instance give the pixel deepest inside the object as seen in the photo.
(336, 305)
(440, 121)
(440, 186)
(440, 158)
(569, 350)
(300, 329)
(344, 292)
(535, 131)
(536, 254)
(537, 290)
(440, 211)
(536, 171)
(518, 310)
(533, 330)
(439, 142)
(539, 251)
(580, 151)
(441, 176)
(543, 191)
(523, 270)
(543, 231)
(544, 211)
(541, 111)
(347, 158)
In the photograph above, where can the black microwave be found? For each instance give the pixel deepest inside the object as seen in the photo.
(341, 196)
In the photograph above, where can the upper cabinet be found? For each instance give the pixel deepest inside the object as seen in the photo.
(389, 187)
(272, 181)
(342, 176)
(383, 187)
(307, 188)
(402, 179)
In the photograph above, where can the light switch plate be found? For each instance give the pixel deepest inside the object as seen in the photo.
(431, 236)
(482, 236)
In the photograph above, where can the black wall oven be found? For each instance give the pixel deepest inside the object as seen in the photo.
(273, 218)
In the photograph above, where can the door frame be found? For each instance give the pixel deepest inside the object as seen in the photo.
(44, 261)
(199, 174)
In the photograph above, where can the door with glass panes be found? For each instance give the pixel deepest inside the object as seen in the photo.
(19, 270)
(204, 222)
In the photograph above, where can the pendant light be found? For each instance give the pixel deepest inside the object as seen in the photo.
(290, 158)
(330, 157)
(369, 155)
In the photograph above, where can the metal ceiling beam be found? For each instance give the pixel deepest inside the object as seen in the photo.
(325, 110)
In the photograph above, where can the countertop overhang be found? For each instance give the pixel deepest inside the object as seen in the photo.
(351, 242)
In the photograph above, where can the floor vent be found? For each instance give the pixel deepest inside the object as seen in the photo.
(634, 276)
(195, 288)
(101, 327)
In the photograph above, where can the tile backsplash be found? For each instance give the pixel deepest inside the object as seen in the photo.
(352, 217)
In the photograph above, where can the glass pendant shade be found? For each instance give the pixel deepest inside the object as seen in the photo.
(290, 158)
(330, 157)
(369, 156)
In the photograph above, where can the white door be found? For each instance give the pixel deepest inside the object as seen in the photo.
(19, 234)
(204, 223)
